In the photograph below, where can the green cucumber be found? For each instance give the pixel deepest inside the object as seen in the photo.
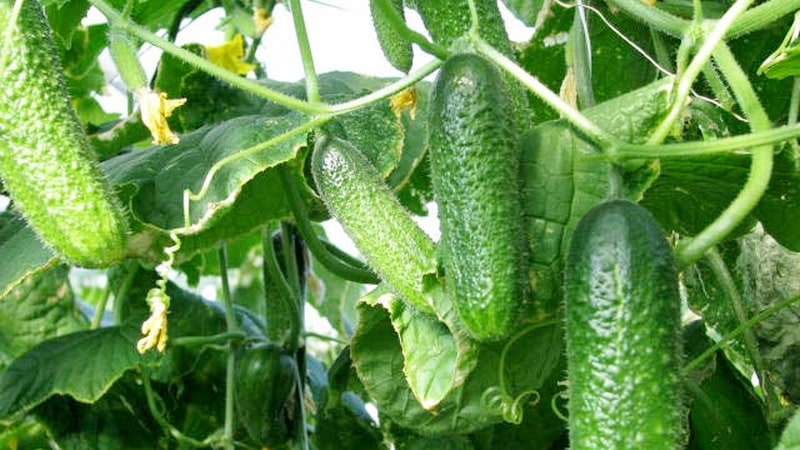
(393, 245)
(623, 330)
(264, 384)
(46, 162)
(475, 158)
(395, 46)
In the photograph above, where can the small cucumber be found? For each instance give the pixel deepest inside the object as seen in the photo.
(393, 245)
(264, 384)
(396, 48)
(475, 158)
(46, 162)
(623, 332)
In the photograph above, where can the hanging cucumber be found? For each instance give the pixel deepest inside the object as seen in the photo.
(474, 154)
(393, 245)
(46, 163)
(623, 332)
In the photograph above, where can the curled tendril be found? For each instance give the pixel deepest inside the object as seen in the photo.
(564, 394)
(497, 401)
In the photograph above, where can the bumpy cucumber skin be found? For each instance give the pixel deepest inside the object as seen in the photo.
(474, 153)
(393, 245)
(396, 48)
(623, 332)
(45, 159)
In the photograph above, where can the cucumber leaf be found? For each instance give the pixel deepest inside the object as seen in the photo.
(22, 253)
(160, 174)
(378, 359)
(39, 308)
(790, 439)
(724, 410)
(561, 183)
(436, 359)
(82, 365)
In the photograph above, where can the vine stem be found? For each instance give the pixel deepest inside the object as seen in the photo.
(692, 71)
(690, 250)
(118, 20)
(312, 82)
(761, 16)
(725, 280)
(400, 26)
(769, 312)
(655, 17)
(702, 148)
(589, 128)
(230, 320)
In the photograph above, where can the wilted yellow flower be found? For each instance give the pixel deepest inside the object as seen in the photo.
(155, 108)
(261, 19)
(229, 55)
(154, 328)
(406, 99)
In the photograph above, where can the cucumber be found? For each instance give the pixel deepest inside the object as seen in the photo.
(264, 384)
(393, 245)
(475, 157)
(46, 162)
(396, 48)
(623, 332)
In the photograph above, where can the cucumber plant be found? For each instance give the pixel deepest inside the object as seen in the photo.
(256, 156)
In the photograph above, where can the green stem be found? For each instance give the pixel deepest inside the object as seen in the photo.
(312, 83)
(580, 49)
(121, 295)
(386, 91)
(762, 16)
(284, 291)
(325, 338)
(399, 25)
(117, 20)
(100, 309)
(290, 262)
(152, 398)
(230, 319)
(202, 341)
(591, 130)
(755, 320)
(702, 148)
(725, 280)
(688, 77)
(689, 250)
(318, 249)
(656, 18)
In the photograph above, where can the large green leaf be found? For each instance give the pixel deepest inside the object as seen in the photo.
(160, 175)
(22, 253)
(725, 412)
(385, 345)
(436, 358)
(562, 182)
(82, 365)
(40, 308)
(378, 359)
